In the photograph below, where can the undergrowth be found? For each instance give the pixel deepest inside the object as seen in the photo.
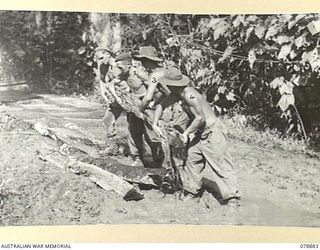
(240, 128)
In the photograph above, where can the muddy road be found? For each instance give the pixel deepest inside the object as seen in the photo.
(279, 188)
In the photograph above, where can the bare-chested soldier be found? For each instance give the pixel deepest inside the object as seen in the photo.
(106, 63)
(208, 164)
(151, 62)
(137, 132)
(175, 117)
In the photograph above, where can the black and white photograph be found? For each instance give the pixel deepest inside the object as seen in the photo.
(189, 119)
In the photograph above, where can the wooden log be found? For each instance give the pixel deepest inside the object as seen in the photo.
(130, 103)
(173, 148)
(92, 151)
(107, 180)
(146, 176)
(103, 178)
(77, 134)
(86, 143)
(9, 84)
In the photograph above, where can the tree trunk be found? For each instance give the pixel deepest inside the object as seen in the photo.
(101, 29)
(116, 47)
(38, 18)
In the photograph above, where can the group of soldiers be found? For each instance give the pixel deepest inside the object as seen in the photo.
(162, 99)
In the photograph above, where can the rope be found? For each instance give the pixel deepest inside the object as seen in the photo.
(239, 57)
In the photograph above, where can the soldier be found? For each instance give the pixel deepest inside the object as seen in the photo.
(151, 62)
(208, 162)
(175, 117)
(155, 91)
(106, 64)
(130, 103)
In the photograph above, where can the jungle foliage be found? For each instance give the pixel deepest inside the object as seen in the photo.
(266, 66)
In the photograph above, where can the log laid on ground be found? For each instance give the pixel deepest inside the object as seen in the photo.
(90, 150)
(16, 86)
(146, 176)
(103, 178)
(69, 137)
(107, 180)
(6, 84)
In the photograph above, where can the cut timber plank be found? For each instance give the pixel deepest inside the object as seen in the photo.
(103, 178)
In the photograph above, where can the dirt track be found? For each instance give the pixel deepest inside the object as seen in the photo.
(278, 187)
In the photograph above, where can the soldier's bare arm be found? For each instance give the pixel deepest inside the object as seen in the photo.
(149, 95)
(166, 102)
(143, 75)
(104, 87)
(112, 89)
(152, 84)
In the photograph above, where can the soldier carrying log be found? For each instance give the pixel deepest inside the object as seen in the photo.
(128, 88)
(106, 63)
(209, 165)
(174, 117)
